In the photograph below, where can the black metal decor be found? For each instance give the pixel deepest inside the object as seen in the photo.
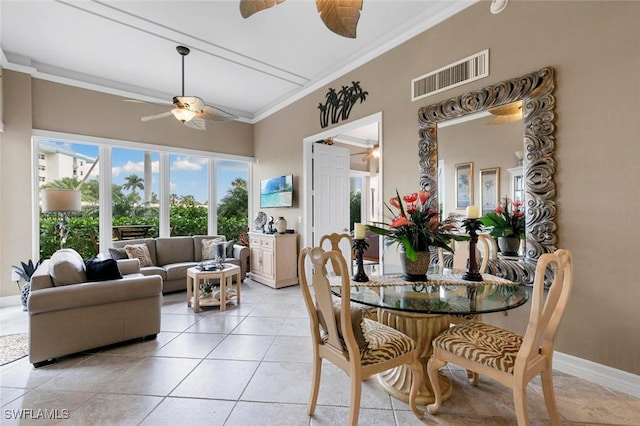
(339, 104)
(472, 226)
(359, 246)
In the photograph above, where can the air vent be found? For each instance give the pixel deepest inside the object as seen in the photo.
(464, 71)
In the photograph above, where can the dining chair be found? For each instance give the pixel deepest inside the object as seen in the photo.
(339, 242)
(357, 345)
(510, 358)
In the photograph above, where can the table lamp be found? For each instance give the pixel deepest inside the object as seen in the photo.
(61, 201)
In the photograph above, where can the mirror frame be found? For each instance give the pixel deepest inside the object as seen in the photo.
(535, 90)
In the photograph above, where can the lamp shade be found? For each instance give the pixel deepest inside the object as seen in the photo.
(61, 200)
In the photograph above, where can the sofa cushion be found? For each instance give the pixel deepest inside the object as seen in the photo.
(118, 253)
(197, 244)
(67, 267)
(209, 248)
(174, 250)
(154, 270)
(102, 270)
(177, 271)
(150, 242)
(140, 252)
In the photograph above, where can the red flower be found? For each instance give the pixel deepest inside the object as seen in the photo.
(423, 196)
(410, 198)
(400, 221)
(395, 202)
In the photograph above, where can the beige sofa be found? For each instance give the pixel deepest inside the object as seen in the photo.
(172, 256)
(72, 318)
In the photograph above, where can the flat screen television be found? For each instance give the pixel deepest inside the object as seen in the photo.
(276, 192)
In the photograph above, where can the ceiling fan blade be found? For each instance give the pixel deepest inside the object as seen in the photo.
(215, 114)
(155, 117)
(196, 123)
(340, 16)
(249, 7)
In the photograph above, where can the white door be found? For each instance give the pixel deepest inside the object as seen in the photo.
(330, 191)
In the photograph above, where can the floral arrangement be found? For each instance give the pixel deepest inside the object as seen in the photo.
(416, 227)
(505, 223)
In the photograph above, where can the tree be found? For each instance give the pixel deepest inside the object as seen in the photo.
(133, 182)
(355, 207)
(64, 183)
(188, 200)
(235, 203)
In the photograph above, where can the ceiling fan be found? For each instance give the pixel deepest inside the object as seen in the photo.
(191, 110)
(370, 153)
(340, 16)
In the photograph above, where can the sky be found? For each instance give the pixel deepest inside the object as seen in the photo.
(188, 174)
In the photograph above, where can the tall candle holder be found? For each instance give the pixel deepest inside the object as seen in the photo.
(359, 246)
(472, 225)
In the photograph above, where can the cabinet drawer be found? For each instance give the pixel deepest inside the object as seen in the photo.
(255, 242)
(267, 243)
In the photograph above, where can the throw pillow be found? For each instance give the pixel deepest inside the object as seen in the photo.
(67, 267)
(229, 249)
(118, 253)
(140, 252)
(209, 248)
(102, 270)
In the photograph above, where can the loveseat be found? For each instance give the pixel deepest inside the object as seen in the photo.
(69, 313)
(171, 257)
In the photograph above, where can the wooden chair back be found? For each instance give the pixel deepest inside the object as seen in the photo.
(342, 243)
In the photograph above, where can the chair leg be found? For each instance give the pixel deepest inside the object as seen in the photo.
(520, 403)
(315, 384)
(474, 378)
(549, 396)
(433, 366)
(416, 380)
(354, 403)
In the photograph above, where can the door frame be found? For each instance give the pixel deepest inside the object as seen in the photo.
(307, 167)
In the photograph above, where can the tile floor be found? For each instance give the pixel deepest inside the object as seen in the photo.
(250, 365)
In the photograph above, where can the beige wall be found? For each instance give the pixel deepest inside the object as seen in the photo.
(37, 104)
(591, 45)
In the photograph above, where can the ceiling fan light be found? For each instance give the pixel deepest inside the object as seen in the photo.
(183, 114)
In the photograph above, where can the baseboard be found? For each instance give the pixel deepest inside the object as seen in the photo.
(608, 377)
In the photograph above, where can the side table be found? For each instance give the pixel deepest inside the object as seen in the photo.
(195, 276)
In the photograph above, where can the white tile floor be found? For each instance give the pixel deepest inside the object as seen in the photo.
(250, 365)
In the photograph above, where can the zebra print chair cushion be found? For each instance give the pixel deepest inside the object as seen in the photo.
(383, 342)
(481, 343)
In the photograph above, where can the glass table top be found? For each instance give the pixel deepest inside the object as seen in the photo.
(443, 293)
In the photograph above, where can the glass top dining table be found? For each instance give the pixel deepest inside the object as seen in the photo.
(444, 292)
(422, 310)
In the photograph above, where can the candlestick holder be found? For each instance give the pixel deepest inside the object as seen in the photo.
(472, 225)
(359, 246)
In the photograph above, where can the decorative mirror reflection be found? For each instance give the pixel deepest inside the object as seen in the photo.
(533, 94)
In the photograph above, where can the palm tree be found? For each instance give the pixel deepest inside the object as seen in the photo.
(188, 200)
(133, 182)
(64, 183)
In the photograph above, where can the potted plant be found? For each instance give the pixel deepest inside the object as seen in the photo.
(415, 228)
(508, 226)
(25, 271)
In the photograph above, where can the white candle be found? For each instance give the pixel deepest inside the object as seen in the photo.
(472, 212)
(360, 232)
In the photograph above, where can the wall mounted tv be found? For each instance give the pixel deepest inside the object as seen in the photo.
(276, 192)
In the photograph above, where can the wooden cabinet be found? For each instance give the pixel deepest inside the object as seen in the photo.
(274, 259)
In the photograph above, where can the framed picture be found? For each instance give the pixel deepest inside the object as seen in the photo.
(464, 185)
(489, 189)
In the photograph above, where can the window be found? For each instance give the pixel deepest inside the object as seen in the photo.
(135, 188)
(189, 206)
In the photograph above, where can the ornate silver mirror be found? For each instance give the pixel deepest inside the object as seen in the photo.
(535, 91)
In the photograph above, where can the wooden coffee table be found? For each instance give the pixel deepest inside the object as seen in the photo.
(195, 276)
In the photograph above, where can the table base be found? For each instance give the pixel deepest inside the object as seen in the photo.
(422, 328)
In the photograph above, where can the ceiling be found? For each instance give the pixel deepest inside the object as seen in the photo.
(249, 67)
